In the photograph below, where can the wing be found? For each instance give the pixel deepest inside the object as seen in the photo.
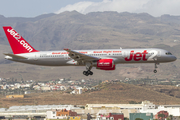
(80, 56)
(14, 56)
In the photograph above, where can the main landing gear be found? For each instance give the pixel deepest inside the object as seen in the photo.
(88, 68)
(87, 72)
(155, 71)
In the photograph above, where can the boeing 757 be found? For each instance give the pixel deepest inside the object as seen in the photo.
(103, 59)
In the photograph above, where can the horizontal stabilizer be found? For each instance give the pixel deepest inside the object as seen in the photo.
(14, 56)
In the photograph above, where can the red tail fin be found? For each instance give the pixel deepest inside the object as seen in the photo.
(18, 43)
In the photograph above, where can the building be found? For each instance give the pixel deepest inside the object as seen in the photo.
(175, 111)
(74, 118)
(65, 112)
(62, 114)
(77, 91)
(97, 112)
(116, 116)
(45, 88)
(144, 116)
(53, 115)
(171, 106)
(111, 116)
(14, 96)
(143, 105)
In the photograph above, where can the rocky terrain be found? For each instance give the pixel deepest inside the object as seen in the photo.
(108, 93)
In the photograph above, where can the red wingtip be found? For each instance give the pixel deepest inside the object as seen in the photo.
(66, 49)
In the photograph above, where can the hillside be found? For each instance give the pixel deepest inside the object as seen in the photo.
(94, 30)
(118, 93)
(97, 30)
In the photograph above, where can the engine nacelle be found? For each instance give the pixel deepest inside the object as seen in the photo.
(105, 64)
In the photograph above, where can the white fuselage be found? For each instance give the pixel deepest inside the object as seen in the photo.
(120, 56)
(101, 59)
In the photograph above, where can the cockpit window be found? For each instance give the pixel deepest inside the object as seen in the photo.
(168, 53)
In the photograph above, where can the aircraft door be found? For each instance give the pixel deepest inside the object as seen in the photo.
(159, 53)
(125, 54)
(35, 57)
(66, 56)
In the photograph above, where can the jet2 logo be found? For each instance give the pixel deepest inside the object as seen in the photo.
(137, 56)
(18, 38)
(104, 64)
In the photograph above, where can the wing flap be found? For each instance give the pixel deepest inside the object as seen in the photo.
(80, 56)
(14, 56)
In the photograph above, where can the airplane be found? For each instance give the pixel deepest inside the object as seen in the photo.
(102, 59)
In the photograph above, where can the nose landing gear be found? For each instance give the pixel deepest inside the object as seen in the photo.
(155, 71)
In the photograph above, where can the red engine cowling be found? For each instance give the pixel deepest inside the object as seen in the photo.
(106, 64)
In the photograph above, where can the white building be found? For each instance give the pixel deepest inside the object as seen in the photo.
(52, 115)
(42, 108)
(175, 111)
(77, 91)
(45, 88)
(25, 85)
(143, 105)
(80, 90)
(5, 87)
(63, 88)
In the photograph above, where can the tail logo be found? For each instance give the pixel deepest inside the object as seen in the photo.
(18, 38)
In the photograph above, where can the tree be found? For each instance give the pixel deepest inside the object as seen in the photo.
(126, 118)
(138, 119)
(133, 102)
(171, 117)
(161, 116)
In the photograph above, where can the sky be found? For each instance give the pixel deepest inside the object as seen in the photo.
(33, 8)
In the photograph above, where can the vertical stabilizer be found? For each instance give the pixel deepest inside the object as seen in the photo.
(18, 43)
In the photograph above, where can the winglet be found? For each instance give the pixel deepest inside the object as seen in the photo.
(66, 49)
(18, 43)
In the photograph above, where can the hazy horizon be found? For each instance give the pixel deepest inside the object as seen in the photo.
(33, 8)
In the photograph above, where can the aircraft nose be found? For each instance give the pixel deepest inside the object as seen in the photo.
(173, 58)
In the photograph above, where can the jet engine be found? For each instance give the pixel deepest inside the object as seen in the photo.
(105, 64)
